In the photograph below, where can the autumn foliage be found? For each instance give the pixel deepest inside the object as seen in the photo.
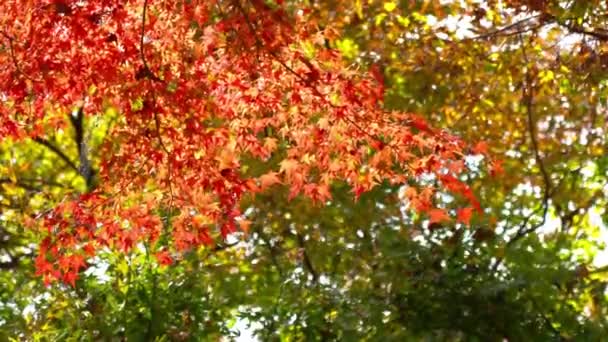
(200, 87)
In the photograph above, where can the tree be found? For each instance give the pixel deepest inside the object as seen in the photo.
(181, 124)
(198, 88)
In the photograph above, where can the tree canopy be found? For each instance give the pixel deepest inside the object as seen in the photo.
(303, 170)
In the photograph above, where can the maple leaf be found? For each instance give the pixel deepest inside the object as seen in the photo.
(269, 179)
(227, 160)
(270, 144)
(464, 215)
(77, 261)
(480, 148)
(438, 215)
(244, 224)
(289, 166)
(164, 258)
(70, 277)
(496, 168)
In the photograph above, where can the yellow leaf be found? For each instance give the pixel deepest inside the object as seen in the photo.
(359, 9)
(390, 6)
(201, 220)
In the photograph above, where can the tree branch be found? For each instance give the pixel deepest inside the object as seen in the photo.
(507, 30)
(144, 72)
(599, 34)
(29, 184)
(272, 250)
(58, 152)
(14, 261)
(14, 58)
(307, 262)
(528, 99)
(568, 217)
(85, 169)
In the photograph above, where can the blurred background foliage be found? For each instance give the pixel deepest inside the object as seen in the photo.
(527, 77)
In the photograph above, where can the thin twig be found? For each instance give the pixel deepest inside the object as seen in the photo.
(33, 184)
(599, 34)
(306, 258)
(14, 58)
(157, 126)
(147, 72)
(503, 30)
(273, 252)
(568, 217)
(157, 123)
(528, 99)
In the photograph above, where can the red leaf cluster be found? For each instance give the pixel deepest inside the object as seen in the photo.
(199, 85)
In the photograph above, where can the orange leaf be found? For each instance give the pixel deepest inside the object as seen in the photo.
(480, 148)
(227, 160)
(270, 144)
(464, 215)
(268, 180)
(289, 166)
(164, 258)
(438, 215)
(496, 168)
(244, 224)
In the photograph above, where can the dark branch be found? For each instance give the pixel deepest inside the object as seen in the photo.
(599, 34)
(9, 265)
(272, 250)
(14, 58)
(85, 169)
(569, 216)
(57, 151)
(307, 262)
(221, 247)
(31, 184)
(14, 261)
(528, 100)
(509, 30)
(145, 72)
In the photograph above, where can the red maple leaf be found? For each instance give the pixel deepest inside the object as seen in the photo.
(464, 215)
(438, 215)
(164, 258)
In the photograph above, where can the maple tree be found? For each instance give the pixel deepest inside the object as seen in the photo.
(197, 87)
(270, 101)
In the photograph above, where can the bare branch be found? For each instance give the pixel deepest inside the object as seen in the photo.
(510, 30)
(528, 100)
(597, 33)
(30, 184)
(145, 72)
(85, 169)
